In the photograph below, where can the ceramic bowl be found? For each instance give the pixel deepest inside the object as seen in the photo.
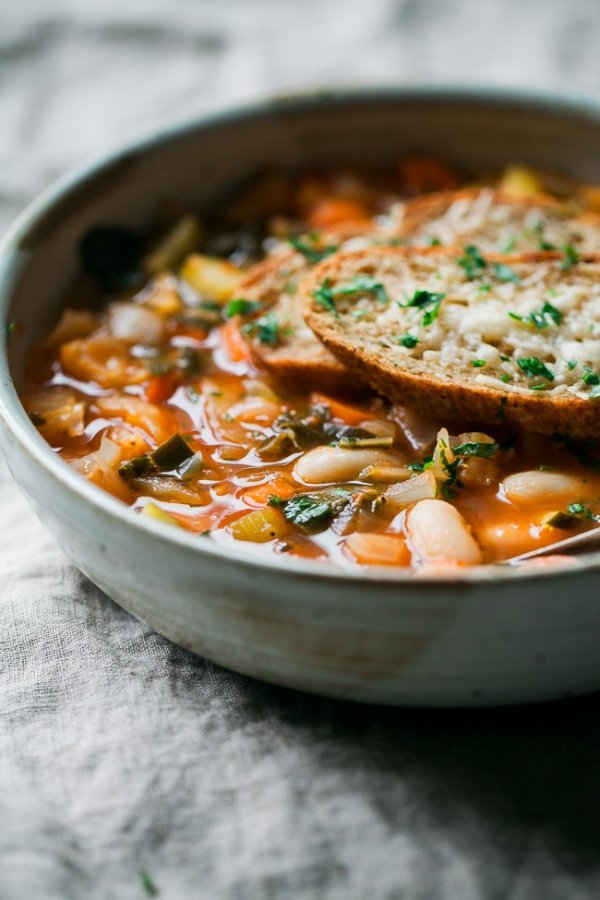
(493, 636)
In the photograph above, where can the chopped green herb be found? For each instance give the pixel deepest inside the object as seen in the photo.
(478, 363)
(504, 358)
(408, 340)
(571, 364)
(310, 248)
(571, 256)
(275, 501)
(579, 509)
(505, 378)
(484, 288)
(241, 307)
(325, 297)
(505, 273)
(314, 512)
(165, 458)
(428, 302)
(377, 440)
(147, 884)
(192, 393)
(476, 448)
(325, 294)
(509, 245)
(552, 292)
(533, 366)
(472, 262)
(433, 241)
(589, 376)
(265, 328)
(540, 318)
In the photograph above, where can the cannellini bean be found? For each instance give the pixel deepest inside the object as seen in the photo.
(524, 487)
(438, 533)
(324, 465)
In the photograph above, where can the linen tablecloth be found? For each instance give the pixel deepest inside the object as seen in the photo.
(130, 768)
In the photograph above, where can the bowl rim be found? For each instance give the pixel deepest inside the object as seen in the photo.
(67, 186)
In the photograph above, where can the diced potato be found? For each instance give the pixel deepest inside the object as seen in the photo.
(378, 549)
(152, 511)
(211, 277)
(521, 182)
(259, 526)
(164, 298)
(174, 246)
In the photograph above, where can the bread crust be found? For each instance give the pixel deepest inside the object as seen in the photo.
(440, 393)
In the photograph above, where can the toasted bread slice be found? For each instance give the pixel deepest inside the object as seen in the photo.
(497, 223)
(517, 342)
(298, 358)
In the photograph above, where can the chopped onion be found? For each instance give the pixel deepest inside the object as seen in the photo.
(134, 323)
(419, 487)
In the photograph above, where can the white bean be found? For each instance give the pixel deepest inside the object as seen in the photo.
(525, 487)
(438, 533)
(325, 465)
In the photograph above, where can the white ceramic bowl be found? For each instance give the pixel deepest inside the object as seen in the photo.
(494, 636)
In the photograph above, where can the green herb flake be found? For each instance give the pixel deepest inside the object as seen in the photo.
(571, 364)
(147, 884)
(540, 318)
(325, 297)
(484, 288)
(504, 273)
(428, 302)
(533, 367)
(310, 248)
(589, 376)
(552, 292)
(192, 393)
(408, 340)
(509, 245)
(265, 328)
(476, 448)
(241, 307)
(472, 262)
(571, 257)
(433, 241)
(505, 378)
(478, 363)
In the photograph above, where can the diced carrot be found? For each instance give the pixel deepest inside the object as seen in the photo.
(262, 493)
(426, 173)
(352, 415)
(378, 549)
(235, 346)
(161, 387)
(332, 211)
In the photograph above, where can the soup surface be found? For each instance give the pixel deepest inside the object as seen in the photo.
(151, 387)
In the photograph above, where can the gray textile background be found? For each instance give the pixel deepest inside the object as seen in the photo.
(120, 752)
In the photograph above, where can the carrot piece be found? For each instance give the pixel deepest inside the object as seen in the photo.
(235, 346)
(426, 173)
(352, 415)
(161, 387)
(378, 549)
(331, 211)
(262, 493)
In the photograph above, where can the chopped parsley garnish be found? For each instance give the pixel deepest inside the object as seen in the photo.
(505, 378)
(484, 288)
(581, 511)
(540, 318)
(505, 273)
(314, 512)
(571, 256)
(589, 376)
(533, 367)
(478, 363)
(428, 302)
(147, 884)
(476, 448)
(310, 248)
(509, 245)
(571, 364)
(325, 294)
(265, 328)
(433, 241)
(408, 340)
(451, 470)
(241, 307)
(472, 262)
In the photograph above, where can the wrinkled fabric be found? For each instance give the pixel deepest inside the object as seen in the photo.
(128, 765)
